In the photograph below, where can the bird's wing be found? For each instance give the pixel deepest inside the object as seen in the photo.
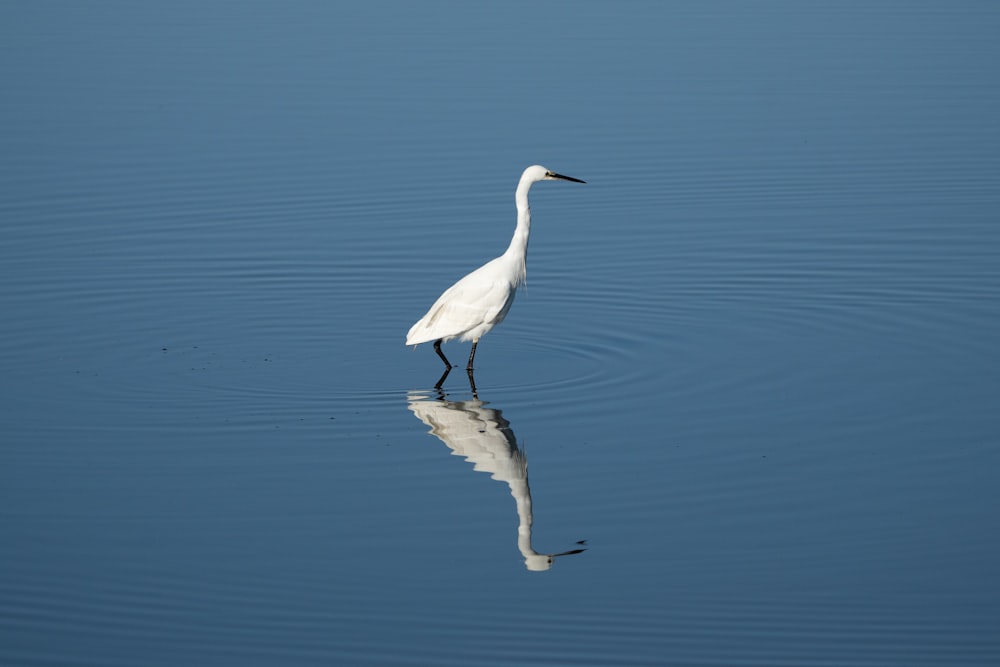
(467, 304)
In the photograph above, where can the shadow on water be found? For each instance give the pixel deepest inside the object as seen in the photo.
(484, 438)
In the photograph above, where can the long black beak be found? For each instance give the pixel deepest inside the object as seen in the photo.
(565, 178)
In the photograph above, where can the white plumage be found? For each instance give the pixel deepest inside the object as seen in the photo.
(471, 307)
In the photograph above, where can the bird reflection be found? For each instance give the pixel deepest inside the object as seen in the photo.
(485, 439)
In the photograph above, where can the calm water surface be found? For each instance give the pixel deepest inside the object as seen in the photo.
(753, 376)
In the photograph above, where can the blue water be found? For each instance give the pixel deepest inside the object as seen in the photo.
(749, 393)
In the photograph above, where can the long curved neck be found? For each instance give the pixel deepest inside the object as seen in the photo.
(517, 251)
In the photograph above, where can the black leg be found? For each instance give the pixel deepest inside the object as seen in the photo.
(472, 355)
(437, 348)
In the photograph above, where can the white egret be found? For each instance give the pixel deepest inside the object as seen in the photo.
(470, 308)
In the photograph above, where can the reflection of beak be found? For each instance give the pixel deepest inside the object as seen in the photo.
(569, 553)
(572, 552)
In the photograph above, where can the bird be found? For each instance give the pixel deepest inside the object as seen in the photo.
(480, 300)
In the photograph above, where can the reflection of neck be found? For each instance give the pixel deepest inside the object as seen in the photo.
(522, 496)
(514, 471)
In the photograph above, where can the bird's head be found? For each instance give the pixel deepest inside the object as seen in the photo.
(536, 173)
